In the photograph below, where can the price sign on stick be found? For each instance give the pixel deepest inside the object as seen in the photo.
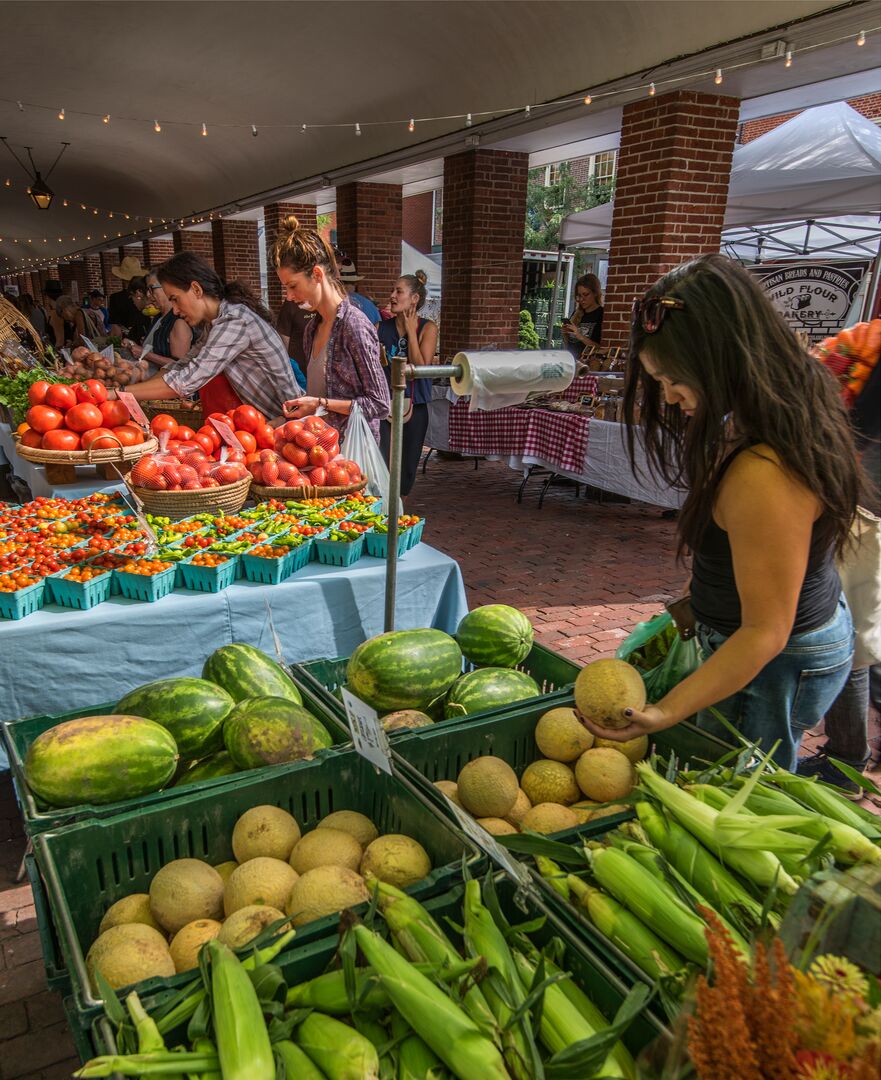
(227, 434)
(368, 734)
(137, 508)
(276, 641)
(488, 843)
(134, 408)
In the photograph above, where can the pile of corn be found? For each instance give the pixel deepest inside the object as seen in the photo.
(739, 845)
(419, 1009)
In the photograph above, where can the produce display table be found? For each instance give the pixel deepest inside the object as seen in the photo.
(87, 480)
(58, 659)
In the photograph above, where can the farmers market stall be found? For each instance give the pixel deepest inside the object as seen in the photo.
(87, 480)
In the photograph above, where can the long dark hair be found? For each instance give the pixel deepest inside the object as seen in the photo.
(184, 268)
(755, 384)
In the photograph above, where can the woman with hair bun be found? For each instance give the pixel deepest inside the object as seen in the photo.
(340, 343)
(237, 343)
(405, 334)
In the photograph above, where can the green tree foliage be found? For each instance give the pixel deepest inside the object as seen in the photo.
(528, 337)
(546, 206)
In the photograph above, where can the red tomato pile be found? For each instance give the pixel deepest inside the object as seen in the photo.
(305, 452)
(77, 417)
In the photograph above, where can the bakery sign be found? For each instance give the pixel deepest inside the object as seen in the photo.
(813, 297)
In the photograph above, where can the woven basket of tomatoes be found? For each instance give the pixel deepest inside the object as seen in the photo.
(188, 413)
(304, 463)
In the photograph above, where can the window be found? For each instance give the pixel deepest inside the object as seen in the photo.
(552, 175)
(603, 166)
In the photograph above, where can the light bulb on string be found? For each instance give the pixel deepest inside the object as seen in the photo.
(157, 127)
(587, 99)
(468, 120)
(254, 130)
(20, 106)
(411, 127)
(204, 129)
(61, 114)
(527, 110)
(8, 183)
(651, 89)
(861, 40)
(788, 61)
(717, 79)
(106, 118)
(357, 129)
(303, 130)
(64, 202)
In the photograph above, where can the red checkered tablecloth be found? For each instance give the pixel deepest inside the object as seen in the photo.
(584, 384)
(560, 439)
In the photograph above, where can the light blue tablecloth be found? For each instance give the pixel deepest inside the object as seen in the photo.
(87, 478)
(57, 660)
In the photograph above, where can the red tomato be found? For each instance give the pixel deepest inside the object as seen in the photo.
(291, 429)
(318, 456)
(84, 417)
(237, 456)
(61, 439)
(265, 436)
(227, 474)
(268, 455)
(138, 433)
(187, 473)
(318, 477)
(306, 439)
(251, 458)
(114, 413)
(221, 416)
(205, 441)
(32, 437)
(328, 438)
(99, 438)
(163, 422)
(287, 472)
(184, 433)
(126, 435)
(37, 392)
(41, 418)
(337, 476)
(211, 432)
(193, 485)
(249, 443)
(92, 391)
(62, 397)
(314, 424)
(247, 418)
(296, 455)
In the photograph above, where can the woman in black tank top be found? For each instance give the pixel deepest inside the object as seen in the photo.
(734, 409)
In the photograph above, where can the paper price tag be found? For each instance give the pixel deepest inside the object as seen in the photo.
(368, 735)
(227, 434)
(488, 843)
(89, 344)
(134, 408)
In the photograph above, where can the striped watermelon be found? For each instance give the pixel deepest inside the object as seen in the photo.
(404, 669)
(193, 710)
(246, 672)
(495, 635)
(219, 764)
(100, 759)
(271, 730)
(488, 688)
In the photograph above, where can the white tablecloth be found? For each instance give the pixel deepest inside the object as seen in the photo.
(87, 478)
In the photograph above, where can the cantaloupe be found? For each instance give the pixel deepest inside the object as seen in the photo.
(561, 736)
(247, 923)
(130, 909)
(549, 781)
(265, 830)
(358, 825)
(127, 953)
(325, 891)
(326, 847)
(487, 787)
(605, 688)
(259, 881)
(187, 942)
(396, 859)
(185, 890)
(604, 774)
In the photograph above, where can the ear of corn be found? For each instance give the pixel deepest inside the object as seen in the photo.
(450, 1033)
(327, 993)
(242, 1039)
(374, 1031)
(340, 1052)
(296, 1063)
(553, 875)
(160, 1063)
(615, 922)
(149, 1038)
(416, 1060)
(206, 1046)
(827, 802)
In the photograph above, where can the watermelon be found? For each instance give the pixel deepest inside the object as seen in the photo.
(404, 669)
(219, 764)
(271, 730)
(246, 672)
(488, 688)
(100, 759)
(495, 635)
(193, 710)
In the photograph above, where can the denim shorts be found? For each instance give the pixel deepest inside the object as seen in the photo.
(790, 694)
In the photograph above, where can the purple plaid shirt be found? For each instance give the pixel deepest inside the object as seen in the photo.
(353, 369)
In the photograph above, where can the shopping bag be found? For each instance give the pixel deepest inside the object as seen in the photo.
(660, 655)
(860, 571)
(360, 445)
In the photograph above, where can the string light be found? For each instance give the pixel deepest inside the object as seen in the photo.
(156, 126)
(204, 129)
(61, 114)
(357, 129)
(651, 89)
(717, 79)
(303, 130)
(527, 110)
(20, 106)
(106, 118)
(861, 40)
(412, 125)
(468, 120)
(64, 202)
(254, 130)
(587, 99)
(788, 61)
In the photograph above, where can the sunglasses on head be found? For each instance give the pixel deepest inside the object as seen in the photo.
(649, 314)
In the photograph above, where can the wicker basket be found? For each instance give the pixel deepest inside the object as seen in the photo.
(86, 457)
(185, 412)
(264, 494)
(229, 498)
(10, 316)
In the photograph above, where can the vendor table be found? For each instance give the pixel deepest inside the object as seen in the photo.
(58, 659)
(87, 480)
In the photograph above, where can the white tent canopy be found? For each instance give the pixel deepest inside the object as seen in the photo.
(822, 167)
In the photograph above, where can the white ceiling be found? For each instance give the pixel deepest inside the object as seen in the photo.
(231, 64)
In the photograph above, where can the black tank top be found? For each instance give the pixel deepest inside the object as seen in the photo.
(714, 598)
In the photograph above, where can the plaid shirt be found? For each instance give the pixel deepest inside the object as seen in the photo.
(353, 370)
(251, 355)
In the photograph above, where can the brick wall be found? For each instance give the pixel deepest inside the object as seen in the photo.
(133, 251)
(36, 290)
(418, 214)
(484, 214)
(81, 277)
(65, 275)
(674, 167)
(200, 243)
(869, 105)
(236, 254)
(369, 232)
(273, 216)
(112, 283)
(49, 274)
(157, 249)
(93, 272)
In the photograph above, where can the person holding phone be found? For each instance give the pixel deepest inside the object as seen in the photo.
(585, 327)
(736, 410)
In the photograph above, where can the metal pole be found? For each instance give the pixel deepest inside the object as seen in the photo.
(399, 385)
(549, 340)
(872, 290)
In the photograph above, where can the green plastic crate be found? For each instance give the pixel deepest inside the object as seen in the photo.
(56, 973)
(90, 865)
(553, 673)
(601, 983)
(38, 817)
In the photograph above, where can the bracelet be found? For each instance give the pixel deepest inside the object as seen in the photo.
(322, 403)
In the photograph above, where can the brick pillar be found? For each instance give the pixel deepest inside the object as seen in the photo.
(112, 283)
(369, 222)
(65, 276)
(272, 218)
(236, 254)
(81, 277)
(133, 251)
(674, 166)
(418, 220)
(36, 289)
(484, 217)
(93, 272)
(200, 242)
(157, 249)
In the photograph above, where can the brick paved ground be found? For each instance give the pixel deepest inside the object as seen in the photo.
(584, 573)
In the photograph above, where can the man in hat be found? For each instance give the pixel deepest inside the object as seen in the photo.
(122, 309)
(350, 278)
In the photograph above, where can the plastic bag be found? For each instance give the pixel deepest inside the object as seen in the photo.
(360, 445)
(660, 655)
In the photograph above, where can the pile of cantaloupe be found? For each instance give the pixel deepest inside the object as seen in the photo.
(278, 871)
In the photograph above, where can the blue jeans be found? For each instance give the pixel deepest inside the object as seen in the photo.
(790, 694)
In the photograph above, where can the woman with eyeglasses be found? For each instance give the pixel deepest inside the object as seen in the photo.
(585, 328)
(170, 338)
(736, 410)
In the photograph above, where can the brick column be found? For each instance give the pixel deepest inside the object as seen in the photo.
(369, 222)
(112, 283)
(93, 272)
(36, 290)
(65, 276)
(81, 277)
(484, 218)
(273, 216)
(199, 242)
(236, 254)
(134, 251)
(674, 166)
(418, 220)
(157, 249)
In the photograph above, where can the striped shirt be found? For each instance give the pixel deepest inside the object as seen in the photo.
(249, 352)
